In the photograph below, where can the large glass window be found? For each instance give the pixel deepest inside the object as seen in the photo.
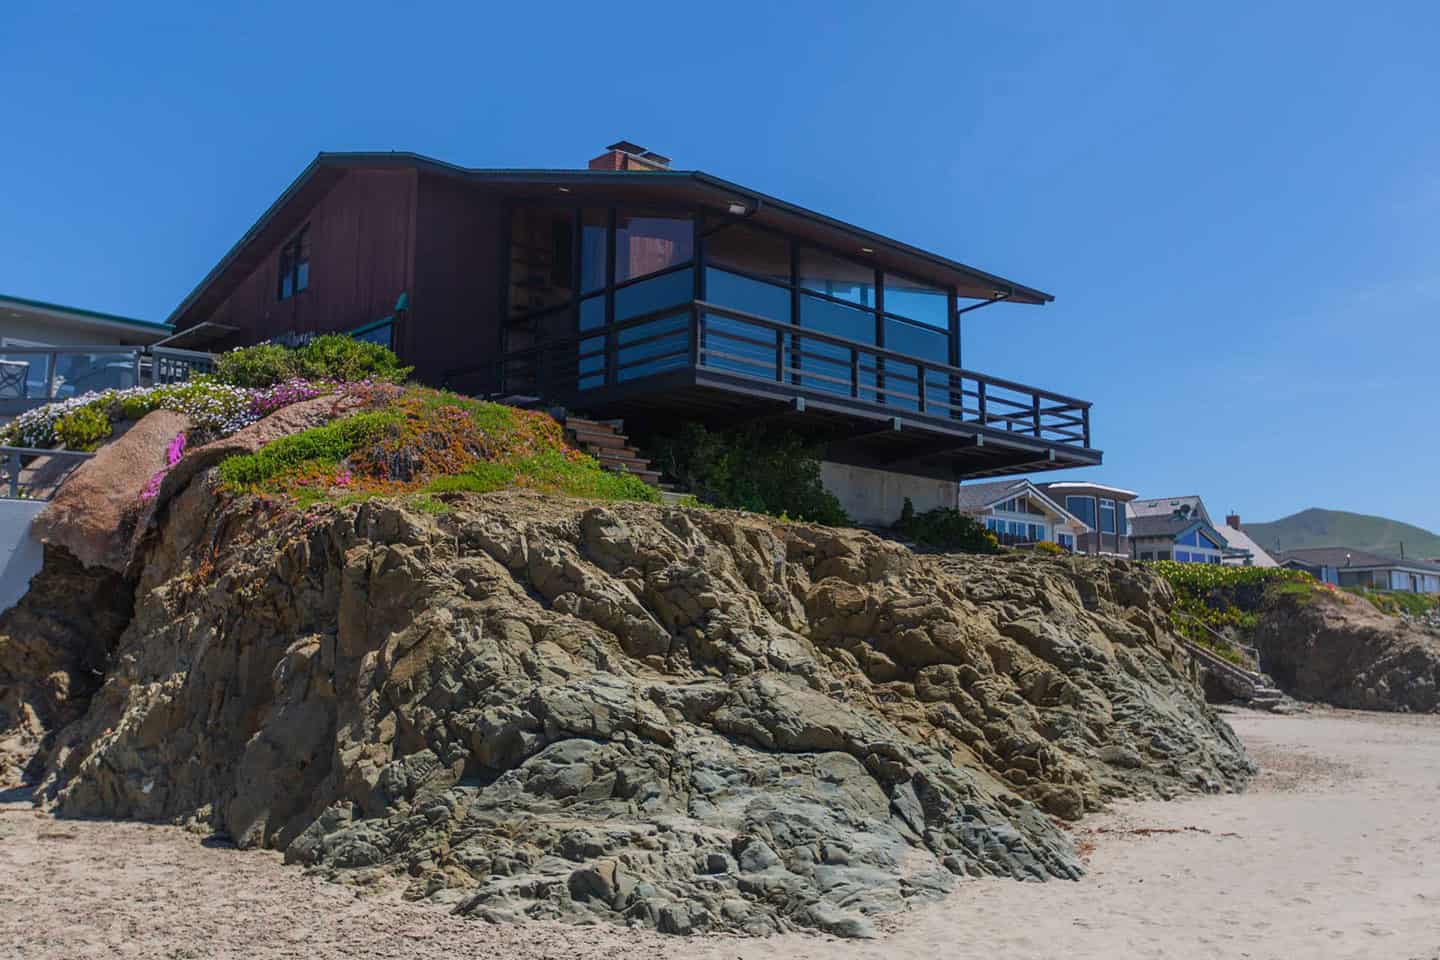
(917, 301)
(842, 279)
(542, 244)
(591, 355)
(647, 243)
(594, 250)
(294, 265)
(1107, 516)
(756, 252)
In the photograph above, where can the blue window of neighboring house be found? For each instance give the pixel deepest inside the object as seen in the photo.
(1182, 556)
(1083, 508)
(381, 333)
(994, 525)
(1037, 532)
(1107, 516)
(1121, 522)
(1017, 529)
(294, 272)
(1065, 540)
(1188, 540)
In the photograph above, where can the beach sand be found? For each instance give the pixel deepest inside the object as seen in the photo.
(1334, 852)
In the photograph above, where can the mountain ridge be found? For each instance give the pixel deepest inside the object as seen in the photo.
(1317, 527)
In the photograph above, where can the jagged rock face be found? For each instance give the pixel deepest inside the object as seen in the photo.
(1341, 650)
(54, 651)
(684, 718)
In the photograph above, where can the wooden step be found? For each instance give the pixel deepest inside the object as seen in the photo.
(629, 463)
(595, 426)
(585, 438)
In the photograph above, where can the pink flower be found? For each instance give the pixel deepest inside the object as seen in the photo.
(176, 450)
(344, 478)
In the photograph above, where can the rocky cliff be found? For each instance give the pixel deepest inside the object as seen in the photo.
(683, 718)
(1339, 649)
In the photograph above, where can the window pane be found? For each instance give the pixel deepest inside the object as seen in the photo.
(1082, 507)
(647, 243)
(1107, 516)
(918, 301)
(541, 259)
(754, 251)
(752, 296)
(667, 291)
(836, 277)
(591, 358)
(594, 266)
(927, 344)
(383, 335)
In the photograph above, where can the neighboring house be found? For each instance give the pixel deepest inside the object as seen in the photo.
(92, 354)
(630, 290)
(1018, 511)
(1347, 567)
(1186, 537)
(1103, 509)
(1244, 551)
(1169, 506)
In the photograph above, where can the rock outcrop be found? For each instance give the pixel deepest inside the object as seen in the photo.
(94, 513)
(683, 718)
(1338, 649)
(55, 646)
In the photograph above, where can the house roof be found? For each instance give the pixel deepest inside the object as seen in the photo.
(975, 497)
(1077, 487)
(692, 186)
(1165, 506)
(1173, 527)
(41, 309)
(1240, 540)
(1348, 558)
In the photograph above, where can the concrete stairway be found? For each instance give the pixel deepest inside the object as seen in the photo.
(605, 441)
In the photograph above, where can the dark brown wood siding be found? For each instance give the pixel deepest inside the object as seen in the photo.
(361, 254)
(455, 309)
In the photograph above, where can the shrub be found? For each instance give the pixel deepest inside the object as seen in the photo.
(1224, 599)
(1052, 549)
(84, 428)
(262, 365)
(761, 470)
(333, 357)
(342, 358)
(948, 529)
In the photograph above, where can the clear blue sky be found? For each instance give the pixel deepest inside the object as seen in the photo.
(1237, 206)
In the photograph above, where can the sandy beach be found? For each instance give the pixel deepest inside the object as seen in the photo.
(1334, 852)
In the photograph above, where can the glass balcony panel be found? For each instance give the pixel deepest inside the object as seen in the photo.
(752, 347)
(23, 376)
(655, 346)
(822, 364)
(925, 343)
(670, 290)
(79, 373)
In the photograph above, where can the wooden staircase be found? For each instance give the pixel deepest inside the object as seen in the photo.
(605, 441)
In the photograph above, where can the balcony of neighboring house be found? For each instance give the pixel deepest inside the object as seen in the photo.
(31, 376)
(653, 315)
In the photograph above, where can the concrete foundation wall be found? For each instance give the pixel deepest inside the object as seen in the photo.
(20, 554)
(876, 496)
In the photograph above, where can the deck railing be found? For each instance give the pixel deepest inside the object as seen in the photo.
(748, 348)
(30, 376)
(30, 474)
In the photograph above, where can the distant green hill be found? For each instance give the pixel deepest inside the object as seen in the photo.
(1336, 528)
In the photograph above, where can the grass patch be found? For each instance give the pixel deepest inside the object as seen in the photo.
(423, 443)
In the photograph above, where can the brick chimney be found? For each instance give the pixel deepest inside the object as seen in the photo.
(624, 155)
(1233, 521)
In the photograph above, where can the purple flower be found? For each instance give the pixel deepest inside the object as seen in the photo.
(176, 450)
